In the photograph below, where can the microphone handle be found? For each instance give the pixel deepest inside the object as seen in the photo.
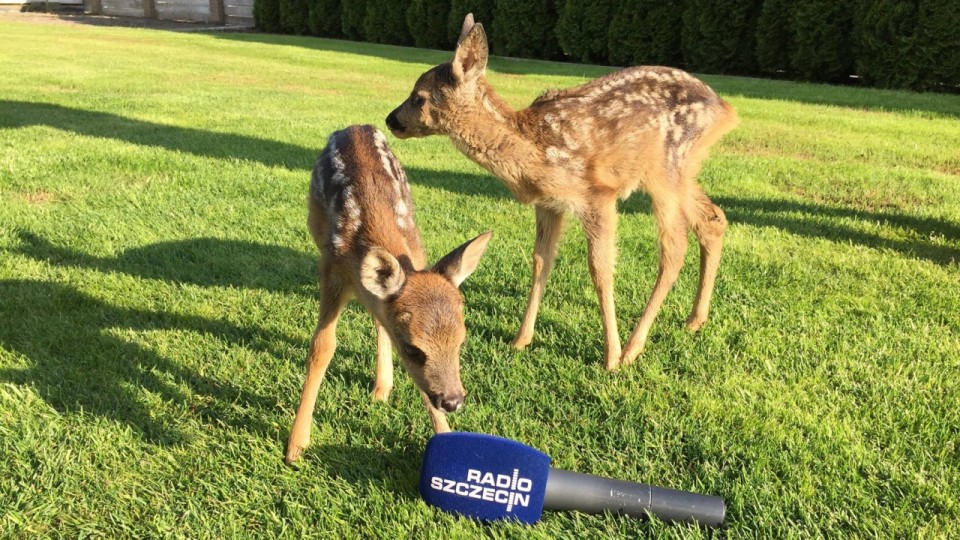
(568, 490)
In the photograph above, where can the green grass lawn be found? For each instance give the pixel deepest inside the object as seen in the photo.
(157, 293)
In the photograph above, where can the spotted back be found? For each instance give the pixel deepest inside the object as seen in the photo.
(363, 192)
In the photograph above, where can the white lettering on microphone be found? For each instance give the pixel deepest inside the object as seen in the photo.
(486, 486)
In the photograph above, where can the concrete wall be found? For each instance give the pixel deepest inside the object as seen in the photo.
(233, 12)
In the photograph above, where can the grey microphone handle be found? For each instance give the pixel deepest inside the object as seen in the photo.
(568, 490)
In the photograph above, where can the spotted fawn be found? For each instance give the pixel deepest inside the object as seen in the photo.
(579, 150)
(360, 214)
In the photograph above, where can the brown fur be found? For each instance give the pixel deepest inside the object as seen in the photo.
(361, 217)
(578, 150)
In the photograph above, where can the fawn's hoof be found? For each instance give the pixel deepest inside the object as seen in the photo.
(521, 342)
(695, 323)
(381, 393)
(293, 454)
(629, 355)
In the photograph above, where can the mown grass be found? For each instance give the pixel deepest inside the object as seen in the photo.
(157, 293)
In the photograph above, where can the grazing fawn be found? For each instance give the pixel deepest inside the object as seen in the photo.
(579, 150)
(361, 217)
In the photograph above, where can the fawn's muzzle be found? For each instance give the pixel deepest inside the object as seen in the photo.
(393, 123)
(449, 403)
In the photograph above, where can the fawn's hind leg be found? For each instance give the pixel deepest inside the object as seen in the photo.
(709, 223)
(672, 227)
(549, 230)
(333, 296)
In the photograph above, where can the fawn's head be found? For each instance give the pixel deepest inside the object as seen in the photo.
(423, 313)
(444, 91)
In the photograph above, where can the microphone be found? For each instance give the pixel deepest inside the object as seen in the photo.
(492, 478)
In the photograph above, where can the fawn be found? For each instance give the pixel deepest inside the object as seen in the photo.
(361, 217)
(578, 150)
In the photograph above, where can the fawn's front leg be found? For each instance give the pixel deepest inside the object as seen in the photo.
(384, 378)
(322, 347)
(438, 418)
(600, 226)
(549, 230)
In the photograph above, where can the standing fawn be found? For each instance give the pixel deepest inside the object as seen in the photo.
(361, 217)
(579, 150)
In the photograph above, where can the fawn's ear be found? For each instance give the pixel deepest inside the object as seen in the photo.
(461, 262)
(467, 25)
(381, 274)
(470, 58)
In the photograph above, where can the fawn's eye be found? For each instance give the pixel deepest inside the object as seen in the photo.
(415, 355)
(417, 100)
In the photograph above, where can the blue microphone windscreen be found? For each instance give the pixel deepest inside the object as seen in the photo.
(484, 477)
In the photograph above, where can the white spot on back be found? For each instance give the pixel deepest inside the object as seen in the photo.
(350, 206)
(555, 154)
(401, 210)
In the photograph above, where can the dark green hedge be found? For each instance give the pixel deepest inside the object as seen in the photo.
(352, 14)
(427, 21)
(582, 29)
(645, 32)
(774, 41)
(887, 43)
(822, 41)
(525, 28)
(720, 36)
(908, 44)
(266, 15)
(386, 22)
(294, 16)
(325, 18)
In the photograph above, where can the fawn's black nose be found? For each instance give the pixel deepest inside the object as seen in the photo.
(449, 403)
(393, 123)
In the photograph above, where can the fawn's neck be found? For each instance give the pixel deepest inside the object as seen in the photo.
(489, 134)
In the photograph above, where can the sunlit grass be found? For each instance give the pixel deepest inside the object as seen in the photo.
(157, 291)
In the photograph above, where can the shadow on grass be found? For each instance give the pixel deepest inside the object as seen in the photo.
(78, 365)
(206, 262)
(757, 212)
(17, 114)
(395, 466)
(815, 220)
(77, 348)
(822, 221)
(227, 146)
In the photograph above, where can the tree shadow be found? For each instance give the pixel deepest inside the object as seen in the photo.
(800, 218)
(462, 184)
(823, 221)
(77, 364)
(273, 153)
(207, 262)
(394, 466)
(18, 114)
